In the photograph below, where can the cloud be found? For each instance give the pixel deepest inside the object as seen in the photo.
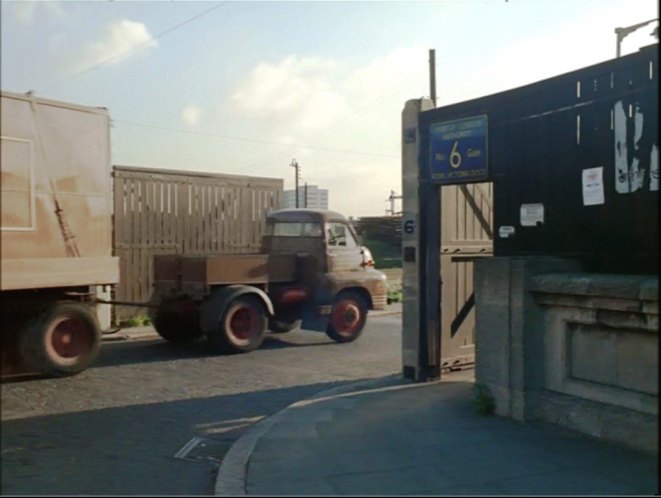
(384, 73)
(121, 39)
(191, 114)
(313, 93)
(25, 12)
(334, 105)
(584, 39)
(297, 90)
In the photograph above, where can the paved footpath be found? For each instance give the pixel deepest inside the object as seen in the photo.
(395, 437)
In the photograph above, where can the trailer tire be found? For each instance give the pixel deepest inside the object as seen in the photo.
(177, 320)
(241, 327)
(348, 317)
(64, 339)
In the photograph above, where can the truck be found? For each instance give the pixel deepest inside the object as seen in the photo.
(55, 233)
(57, 256)
(310, 272)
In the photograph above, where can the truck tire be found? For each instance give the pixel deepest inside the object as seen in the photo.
(62, 340)
(348, 317)
(177, 320)
(241, 327)
(281, 325)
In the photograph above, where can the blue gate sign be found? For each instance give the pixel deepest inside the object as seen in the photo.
(459, 150)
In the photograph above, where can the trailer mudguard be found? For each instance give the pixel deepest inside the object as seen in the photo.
(215, 303)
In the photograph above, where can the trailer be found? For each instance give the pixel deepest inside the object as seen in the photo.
(55, 234)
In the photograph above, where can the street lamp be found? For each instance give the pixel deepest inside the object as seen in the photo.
(622, 32)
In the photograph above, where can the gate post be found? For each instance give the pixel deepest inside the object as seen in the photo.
(415, 347)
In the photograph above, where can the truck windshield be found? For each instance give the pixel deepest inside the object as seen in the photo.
(295, 229)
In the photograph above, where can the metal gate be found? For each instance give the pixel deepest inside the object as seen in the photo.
(574, 165)
(445, 228)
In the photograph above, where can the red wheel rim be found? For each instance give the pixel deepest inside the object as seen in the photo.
(346, 317)
(68, 338)
(244, 323)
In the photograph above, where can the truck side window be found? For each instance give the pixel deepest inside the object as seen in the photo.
(339, 235)
(296, 229)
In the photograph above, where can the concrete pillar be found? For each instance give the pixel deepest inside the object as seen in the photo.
(410, 237)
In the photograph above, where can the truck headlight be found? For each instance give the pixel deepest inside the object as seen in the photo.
(368, 260)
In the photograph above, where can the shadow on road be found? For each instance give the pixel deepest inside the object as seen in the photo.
(132, 450)
(157, 349)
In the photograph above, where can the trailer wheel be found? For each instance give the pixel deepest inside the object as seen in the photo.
(241, 327)
(63, 340)
(177, 320)
(348, 317)
(281, 325)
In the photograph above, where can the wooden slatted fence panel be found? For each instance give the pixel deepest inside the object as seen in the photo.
(175, 212)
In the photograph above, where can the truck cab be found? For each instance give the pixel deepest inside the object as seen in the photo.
(331, 244)
(330, 259)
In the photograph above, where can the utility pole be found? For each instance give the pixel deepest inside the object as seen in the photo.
(432, 75)
(306, 195)
(294, 165)
(391, 199)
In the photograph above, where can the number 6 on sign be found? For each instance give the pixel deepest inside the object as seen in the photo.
(455, 156)
(458, 151)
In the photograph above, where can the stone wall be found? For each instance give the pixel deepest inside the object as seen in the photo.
(572, 348)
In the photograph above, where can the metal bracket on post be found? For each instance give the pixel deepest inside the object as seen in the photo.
(430, 282)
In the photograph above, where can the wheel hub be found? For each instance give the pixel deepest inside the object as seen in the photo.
(346, 317)
(244, 323)
(68, 338)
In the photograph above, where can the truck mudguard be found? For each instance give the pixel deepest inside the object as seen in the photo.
(214, 305)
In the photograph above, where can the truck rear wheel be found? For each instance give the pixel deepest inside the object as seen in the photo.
(241, 327)
(63, 340)
(348, 317)
(177, 320)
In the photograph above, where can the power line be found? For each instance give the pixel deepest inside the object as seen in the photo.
(135, 47)
(253, 140)
(357, 114)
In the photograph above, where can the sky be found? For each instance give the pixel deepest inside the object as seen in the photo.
(245, 88)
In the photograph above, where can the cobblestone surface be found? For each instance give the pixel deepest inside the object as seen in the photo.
(115, 428)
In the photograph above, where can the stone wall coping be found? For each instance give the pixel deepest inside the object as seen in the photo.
(638, 287)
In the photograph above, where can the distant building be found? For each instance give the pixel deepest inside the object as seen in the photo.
(317, 198)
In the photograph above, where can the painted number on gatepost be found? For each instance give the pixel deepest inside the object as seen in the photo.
(459, 150)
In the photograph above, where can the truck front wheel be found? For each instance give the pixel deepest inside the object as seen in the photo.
(241, 327)
(348, 317)
(63, 340)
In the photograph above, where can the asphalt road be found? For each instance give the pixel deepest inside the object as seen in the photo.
(149, 418)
